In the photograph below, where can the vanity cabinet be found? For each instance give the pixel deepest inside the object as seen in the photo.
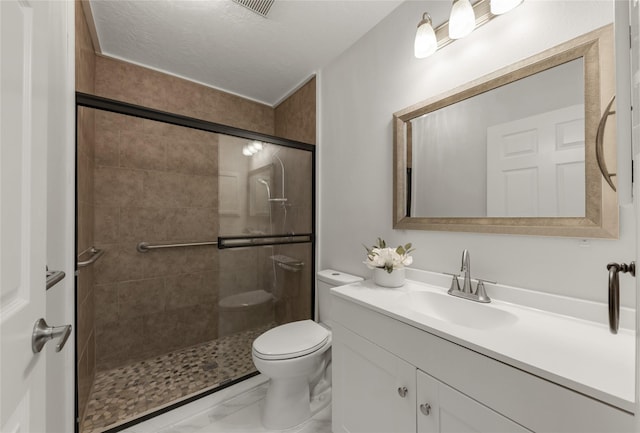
(376, 356)
(372, 389)
(376, 391)
(442, 409)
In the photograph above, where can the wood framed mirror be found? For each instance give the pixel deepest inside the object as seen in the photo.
(515, 152)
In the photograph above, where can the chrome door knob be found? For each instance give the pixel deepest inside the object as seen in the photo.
(425, 408)
(402, 391)
(43, 333)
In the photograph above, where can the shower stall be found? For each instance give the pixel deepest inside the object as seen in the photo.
(193, 238)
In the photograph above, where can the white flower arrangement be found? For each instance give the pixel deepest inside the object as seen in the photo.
(383, 257)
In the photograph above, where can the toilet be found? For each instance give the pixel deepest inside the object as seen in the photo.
(296, 357)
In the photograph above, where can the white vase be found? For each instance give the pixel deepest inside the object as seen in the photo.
(385, 279)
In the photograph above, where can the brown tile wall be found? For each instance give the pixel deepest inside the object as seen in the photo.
(295, 117)
(85, 330)
(156, 183)
(127, 82)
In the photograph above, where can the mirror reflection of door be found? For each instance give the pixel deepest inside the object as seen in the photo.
(535, 165)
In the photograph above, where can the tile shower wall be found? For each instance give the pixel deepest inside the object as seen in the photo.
(124, 81)
(157, 183)
(295, 117)
(85, 330)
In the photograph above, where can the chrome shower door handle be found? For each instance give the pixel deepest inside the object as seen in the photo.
(43, 333)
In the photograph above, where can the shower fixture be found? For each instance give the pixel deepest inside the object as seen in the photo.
(266, 184)
(282, 198)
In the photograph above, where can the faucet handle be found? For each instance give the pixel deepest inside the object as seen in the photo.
(455, 285)
(481, 293)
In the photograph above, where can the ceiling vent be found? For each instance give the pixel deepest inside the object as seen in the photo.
(261, 7)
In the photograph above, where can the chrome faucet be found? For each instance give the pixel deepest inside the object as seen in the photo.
(466, 268)
(467, 291)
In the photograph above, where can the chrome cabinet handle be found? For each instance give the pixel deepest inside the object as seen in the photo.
(402, 391)
(600, 144)
(425, 408)
(43, 333)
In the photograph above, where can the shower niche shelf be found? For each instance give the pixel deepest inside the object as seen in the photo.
(288, 263)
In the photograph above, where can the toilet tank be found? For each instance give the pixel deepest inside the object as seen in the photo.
(327, 279)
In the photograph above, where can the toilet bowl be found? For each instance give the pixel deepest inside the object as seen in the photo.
(296, 357)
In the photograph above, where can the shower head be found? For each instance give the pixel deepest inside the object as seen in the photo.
(265, 182)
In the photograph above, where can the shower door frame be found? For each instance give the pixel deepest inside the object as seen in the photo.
(119, 107)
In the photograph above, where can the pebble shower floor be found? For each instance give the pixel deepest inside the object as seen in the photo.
(125, 393)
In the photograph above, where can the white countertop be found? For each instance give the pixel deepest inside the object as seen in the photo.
(573, 352)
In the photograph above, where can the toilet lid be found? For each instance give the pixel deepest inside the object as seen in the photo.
(290, 340)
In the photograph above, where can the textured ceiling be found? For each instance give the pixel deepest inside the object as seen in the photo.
(224, 45)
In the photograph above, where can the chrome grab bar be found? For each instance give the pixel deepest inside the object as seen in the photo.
(53, 278)
(95, 255)
(614, 292)
(602, 164)
(144, 247)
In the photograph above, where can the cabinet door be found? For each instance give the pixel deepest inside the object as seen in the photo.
(373, 390)
(442, 409)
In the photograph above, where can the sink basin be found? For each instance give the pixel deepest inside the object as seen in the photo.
(458, 311)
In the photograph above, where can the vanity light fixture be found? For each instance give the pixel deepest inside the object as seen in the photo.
(463, 20)
(252, 148)
(426, 42)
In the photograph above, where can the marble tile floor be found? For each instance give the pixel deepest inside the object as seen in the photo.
(125, 393)
(233, 410)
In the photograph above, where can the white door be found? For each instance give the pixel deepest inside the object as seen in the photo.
(373, 390)
(535, 165)
(24, 84)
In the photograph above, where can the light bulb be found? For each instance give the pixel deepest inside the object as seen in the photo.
(425, 43)
(257, 145)
(499, 7)
(462, 20)
(246, 151)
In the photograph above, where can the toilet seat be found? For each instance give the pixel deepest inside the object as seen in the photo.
(290, 340)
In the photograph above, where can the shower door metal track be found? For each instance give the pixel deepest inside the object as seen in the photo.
(115, 106)
(225, 242)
